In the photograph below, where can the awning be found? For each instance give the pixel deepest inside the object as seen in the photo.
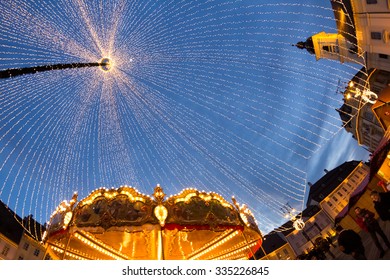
(379, 156)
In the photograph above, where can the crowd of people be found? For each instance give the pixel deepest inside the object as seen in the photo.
(351, 243)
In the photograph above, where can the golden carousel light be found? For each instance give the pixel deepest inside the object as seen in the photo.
(161, 214)
(126, 224)
(159, 194)
(67, 218)
(74, 199)
(160, 211)
(209, 247)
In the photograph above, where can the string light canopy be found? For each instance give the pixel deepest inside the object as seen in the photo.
(187, 93)
(125, 224)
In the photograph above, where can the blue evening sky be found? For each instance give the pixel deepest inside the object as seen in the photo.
(203, 94)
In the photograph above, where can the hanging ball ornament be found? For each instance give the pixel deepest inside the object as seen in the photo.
(105, 64)
(299, 224)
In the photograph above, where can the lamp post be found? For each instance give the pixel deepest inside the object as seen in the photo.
(104, 64)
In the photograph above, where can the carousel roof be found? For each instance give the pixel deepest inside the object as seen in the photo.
(125, 224)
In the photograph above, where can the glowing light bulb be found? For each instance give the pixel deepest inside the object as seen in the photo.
(106, 64)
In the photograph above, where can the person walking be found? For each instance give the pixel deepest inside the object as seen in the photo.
(366, 221)
(381, 204)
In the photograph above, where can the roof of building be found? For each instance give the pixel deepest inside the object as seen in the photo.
(272, 242)
(346, 115)
(343, 14)
(307, 45)
(32, 228)
(10, 225)
(324, 186)
(13, 226)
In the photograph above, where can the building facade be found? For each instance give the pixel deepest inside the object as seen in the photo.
(317, 225)
(10, 233)
(356, 113)
(363, 34)
(336, 201)
(328, 199)
(8, 248)
(29, 249)
(372, 21)
(19, 238)
(362, 38)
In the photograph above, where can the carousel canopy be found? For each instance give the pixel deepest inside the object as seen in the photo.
(125, 224)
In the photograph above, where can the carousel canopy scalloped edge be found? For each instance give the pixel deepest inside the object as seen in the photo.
(125, 207)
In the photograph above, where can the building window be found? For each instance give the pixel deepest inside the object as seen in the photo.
(334, 198)
(321, 224)
(25, 246)
(382, 79)
(372, 2)
(327, 48)
(376, 35)
(377, 132)
(384, 56)
(5, 250)
(36, 252)
(331, 49)
(376, 89)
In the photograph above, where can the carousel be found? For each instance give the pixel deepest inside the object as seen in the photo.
(124, 224)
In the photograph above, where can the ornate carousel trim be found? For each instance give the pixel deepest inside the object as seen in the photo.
(105, 217)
